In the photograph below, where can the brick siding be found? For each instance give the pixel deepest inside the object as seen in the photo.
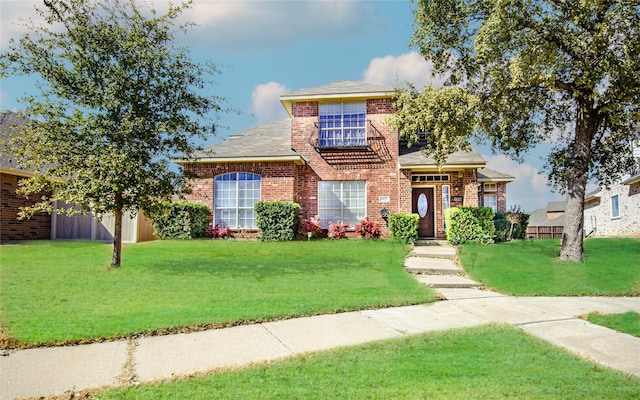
(38, 227)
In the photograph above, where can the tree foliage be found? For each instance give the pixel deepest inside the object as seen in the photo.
(532, 71)
(118, 99)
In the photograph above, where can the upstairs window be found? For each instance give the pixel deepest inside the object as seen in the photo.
(490, 187)
(234, 196)
(343, 124)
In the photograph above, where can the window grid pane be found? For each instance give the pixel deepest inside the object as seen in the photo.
(235, 194)
(342, 124)
(341, 201)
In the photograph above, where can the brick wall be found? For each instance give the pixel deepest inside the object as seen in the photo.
(377, 166)
(598, 218)
(38, 227)
(277, 180)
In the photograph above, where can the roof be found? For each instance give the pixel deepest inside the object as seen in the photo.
(270, 142)
(632, 180)
(539, 218)
(489, 175)
(556, 206)
(349, 90)
(413, 158)
(8, 121)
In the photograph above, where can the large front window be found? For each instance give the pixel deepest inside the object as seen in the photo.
(234, 196)
(341, 201)
(343, 124)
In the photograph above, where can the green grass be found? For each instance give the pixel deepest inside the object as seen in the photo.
(628, 322)
(64, 292)
(532, 268)
(488, 362)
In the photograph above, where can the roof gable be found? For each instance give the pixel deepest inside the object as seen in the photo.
(343, 90)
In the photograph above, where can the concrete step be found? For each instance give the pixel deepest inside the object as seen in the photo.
(433, 266)
(432, 242)
(446, 252)
(445, 281)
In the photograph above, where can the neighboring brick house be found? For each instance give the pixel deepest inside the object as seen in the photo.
(616, 210)
(51, 226)
(338, 158)
(39, 226)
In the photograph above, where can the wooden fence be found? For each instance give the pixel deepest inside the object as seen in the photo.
(545, 232)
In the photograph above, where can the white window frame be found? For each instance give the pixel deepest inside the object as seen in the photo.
(490, 187)
(342, 124)
(336, 202)
(615, 211)
(231, 205)
(490, 195)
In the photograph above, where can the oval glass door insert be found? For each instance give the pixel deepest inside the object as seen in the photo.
(423, 205)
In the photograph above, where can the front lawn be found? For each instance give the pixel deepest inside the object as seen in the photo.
(63, 292)
(628, 322)
(487, 362)
(532, 268)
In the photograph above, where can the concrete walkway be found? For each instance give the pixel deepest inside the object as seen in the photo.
(58, 370)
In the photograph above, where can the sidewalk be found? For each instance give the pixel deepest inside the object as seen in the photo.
(49, 371)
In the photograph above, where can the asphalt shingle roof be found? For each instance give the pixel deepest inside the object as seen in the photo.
(341, 88)
(413, 157)
(486, 174)
(263, 142)
(8, 119)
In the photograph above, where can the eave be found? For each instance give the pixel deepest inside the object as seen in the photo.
(631, 181)
(16, 172)
(446, 167)
(287, 101)
(298, 160)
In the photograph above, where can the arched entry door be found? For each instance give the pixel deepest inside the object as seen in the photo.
(423, 206)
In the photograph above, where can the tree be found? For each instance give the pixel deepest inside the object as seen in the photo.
(525, 71)
(117, 100)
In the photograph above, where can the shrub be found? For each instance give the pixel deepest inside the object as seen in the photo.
(338, 231)
(368, 229)
(222, 232)
(277, 220)
(503, 229)
(312, 225)
(179, 219)
(404, 226)
(470, 224)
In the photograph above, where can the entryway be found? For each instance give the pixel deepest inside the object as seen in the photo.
(422, 204)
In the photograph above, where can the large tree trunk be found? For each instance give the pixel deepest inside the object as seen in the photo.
(117, 239)
(576, 175)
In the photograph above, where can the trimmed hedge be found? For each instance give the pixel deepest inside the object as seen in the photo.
(404, 226)
(277, 220)
(470, 224)
(179, 219)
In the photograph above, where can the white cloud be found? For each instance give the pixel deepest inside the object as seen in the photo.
(260, 25)
(265, 102)
(225, 25)
(394, 71)
(529, 190)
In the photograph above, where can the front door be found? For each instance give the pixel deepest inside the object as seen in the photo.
(423, 206)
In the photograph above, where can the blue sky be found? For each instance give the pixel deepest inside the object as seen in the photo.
(267, 48)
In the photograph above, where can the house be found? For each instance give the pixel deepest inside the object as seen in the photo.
(56, 225)
(615, 210)
(547, 223)
(338, 158)
(39, 226)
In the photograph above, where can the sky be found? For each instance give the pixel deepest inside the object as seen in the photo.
(267, 48)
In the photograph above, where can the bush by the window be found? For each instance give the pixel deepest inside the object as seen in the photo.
(368, 229)
(338, 231)
(277, 220)
(222, 232)
(404, 226)
(470, 224)
(311, 224)
(179, 219)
